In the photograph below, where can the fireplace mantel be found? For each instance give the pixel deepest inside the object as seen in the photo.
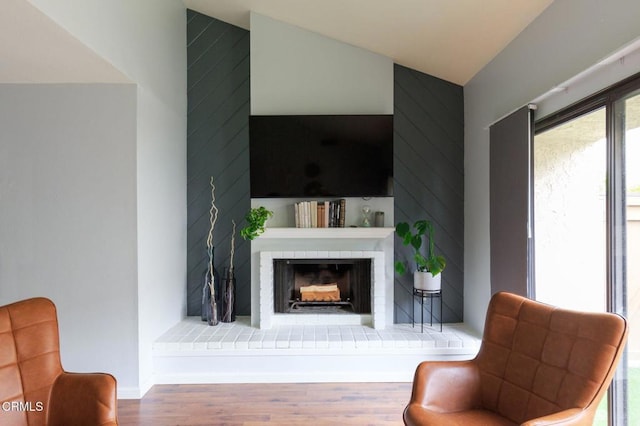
(333, 233)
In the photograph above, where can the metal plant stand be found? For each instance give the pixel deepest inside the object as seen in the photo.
(426, 294)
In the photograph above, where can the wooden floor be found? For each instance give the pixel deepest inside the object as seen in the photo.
(360, 404)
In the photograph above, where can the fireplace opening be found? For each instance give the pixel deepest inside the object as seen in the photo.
(322, 286)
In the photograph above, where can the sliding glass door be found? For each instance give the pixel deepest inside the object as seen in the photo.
(586, 222)
(628, 110)
(570, 172)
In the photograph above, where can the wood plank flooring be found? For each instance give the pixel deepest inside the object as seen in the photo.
(345, 404)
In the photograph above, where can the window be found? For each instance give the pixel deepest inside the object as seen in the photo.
(586, 215)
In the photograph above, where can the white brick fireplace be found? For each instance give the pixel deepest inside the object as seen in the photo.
(322, 243)
(377, 317)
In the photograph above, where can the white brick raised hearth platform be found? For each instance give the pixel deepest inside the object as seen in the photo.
(271, 348)
(193, 352)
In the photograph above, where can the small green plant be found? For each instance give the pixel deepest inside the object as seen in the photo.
(256, 218)
(429, 263)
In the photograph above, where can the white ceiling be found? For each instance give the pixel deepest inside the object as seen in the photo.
(449, 39)
(35, 49)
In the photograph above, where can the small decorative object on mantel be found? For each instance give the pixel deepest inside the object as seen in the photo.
(256, 219)
(428, 268)
(366, 217)
(229, 288)
(211, 279)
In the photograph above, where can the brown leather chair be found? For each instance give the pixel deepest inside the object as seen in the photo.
(537, 365)
(34, 389)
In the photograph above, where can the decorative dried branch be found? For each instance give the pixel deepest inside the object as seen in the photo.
(213, 217)
(233, 247)
(213, 214)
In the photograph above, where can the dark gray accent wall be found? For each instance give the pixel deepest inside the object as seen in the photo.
(429, 180)
(218, 146)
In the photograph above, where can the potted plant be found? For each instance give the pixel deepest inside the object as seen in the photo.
(428, 267)
(256, 218)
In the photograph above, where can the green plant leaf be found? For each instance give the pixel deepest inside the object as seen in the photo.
(400, 268)
(421, 262)
(421, 226)
(436, 264)
(416, 242)
(402, 229)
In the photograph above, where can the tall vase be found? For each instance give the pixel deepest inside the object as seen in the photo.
(229, 297)
(212, 314)
(211, 284)
(206, 297)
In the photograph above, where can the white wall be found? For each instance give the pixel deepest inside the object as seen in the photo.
(569, 37)
(295, 71)
(67, 232)
(146, 40)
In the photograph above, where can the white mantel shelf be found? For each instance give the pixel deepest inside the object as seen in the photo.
(334, 233)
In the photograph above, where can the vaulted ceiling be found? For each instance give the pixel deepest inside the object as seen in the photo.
(35, 49)
(449, 39)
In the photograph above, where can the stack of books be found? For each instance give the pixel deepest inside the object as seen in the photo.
(320, 214)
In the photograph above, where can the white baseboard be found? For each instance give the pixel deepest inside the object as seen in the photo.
(129, 392)
(295, 368)
(135, 392)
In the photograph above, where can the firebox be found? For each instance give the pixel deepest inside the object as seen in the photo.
(322, 286)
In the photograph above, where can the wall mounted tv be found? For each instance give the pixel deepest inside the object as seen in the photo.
(321, 156)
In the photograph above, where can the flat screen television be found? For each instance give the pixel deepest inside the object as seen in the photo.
(321, 156)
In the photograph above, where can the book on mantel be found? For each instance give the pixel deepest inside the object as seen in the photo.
(320, 214)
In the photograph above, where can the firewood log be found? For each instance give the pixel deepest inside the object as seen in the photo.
(320, 293)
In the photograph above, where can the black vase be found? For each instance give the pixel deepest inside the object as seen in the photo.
(229, 297)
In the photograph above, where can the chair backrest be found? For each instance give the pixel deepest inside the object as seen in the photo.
(29, 360)
(536, 359)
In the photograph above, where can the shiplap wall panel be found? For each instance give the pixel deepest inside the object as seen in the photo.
(429, 181)
(218, 146)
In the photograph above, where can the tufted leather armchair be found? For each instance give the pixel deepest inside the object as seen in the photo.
(34, 389)
(537, 365)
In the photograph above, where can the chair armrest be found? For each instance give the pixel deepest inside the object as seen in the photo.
(447, 386)
(569, 417)
(83, 399)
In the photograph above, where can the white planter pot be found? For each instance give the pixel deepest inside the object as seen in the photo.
(426, 281)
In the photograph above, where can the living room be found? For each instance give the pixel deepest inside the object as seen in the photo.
(95, 213)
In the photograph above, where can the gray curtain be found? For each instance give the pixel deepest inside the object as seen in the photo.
(510, 183)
